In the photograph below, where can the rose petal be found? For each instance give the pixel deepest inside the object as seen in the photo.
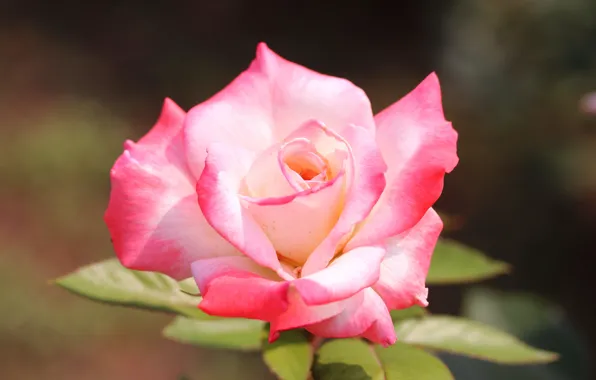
(153, 216)
(218, 189)
(265, 177)
(346, 276)
(298, 223)
(365, 315)
(238, 287)
(404, 269)
(268, 177)
(240, 115)
(300, 94)
(299, 314)
(324, 139)
(364, 186)
(267, 102)
(420, 147)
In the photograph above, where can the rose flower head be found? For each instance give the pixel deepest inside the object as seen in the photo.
(288, 201)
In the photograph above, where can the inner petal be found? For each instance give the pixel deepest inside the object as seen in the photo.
(312, 163)
(308, 165)
(302, 165)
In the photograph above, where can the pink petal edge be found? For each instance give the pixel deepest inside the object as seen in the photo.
(346, 276)
(420, 146)
(365, 185)
(404, 269)
(365, 315)
(218, 189)
(153, 217)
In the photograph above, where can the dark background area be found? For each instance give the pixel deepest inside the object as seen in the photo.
(78, 78)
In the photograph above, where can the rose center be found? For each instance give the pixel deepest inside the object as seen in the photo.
(295, 191)
(307, 167)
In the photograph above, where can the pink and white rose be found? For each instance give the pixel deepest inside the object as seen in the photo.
(288, 201)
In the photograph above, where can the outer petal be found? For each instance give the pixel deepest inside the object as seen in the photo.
(153, 215)
(239, 115)
(267, 102)
(364, 187)
(365, 315)
(419, 147)
(237, 287)
(299, 314)
(346, 276)
(300, 94)
(218, 189)
(404, 269)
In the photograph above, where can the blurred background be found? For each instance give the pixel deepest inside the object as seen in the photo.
(77, 78)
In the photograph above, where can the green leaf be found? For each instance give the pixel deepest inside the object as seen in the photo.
(230, 333)
(455, 263)
(347, 359)
(404, 362)
(354, 359)
(189, 286)
(290, 356)
(108, 281)
(535, 321)
(470, 338)
(411, 312)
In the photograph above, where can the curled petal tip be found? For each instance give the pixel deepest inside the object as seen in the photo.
(433, 76)
(266, 58)
(263, 50)
(422, 298)
(386, 343)
(273, 336)
(128, 144)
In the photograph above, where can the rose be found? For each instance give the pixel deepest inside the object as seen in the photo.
(288, 201)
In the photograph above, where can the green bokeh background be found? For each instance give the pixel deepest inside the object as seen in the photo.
(78, 78)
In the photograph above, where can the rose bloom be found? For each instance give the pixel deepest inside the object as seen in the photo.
(288, 201)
